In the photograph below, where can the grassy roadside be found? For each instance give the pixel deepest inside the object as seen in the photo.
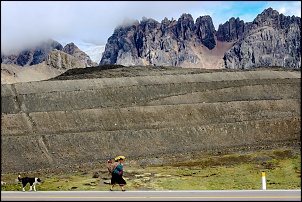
(224, 172)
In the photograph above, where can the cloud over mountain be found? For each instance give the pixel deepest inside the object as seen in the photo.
(27, 23)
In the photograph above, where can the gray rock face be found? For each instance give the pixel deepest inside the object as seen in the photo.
(32, 56)
(205, 31)
(272, 39)
(39, 54)
(73, 50)
(169, 43)
(232, 30)
(60, 60)
(56, 63)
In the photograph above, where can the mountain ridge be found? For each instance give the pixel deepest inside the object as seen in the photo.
(56, 63)
(183, 42)
(42, 62)
(38, 54)
(271, 39)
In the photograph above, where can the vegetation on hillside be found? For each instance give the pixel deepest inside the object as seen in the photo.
(223, 172)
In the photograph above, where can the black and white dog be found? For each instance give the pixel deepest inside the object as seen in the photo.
(31, 180)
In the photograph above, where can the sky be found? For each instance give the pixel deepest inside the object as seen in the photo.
(25, 23)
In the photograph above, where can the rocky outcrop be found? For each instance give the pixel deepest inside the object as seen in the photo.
(205, 31)
(232, 30)
(39, 54)
(169, 43)
(32, 56)
(60, 60)
(56, 63)
(73, 50)
(272, 39)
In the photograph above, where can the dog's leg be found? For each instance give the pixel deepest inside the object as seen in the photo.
(30, 188)
(20, 180)
(34, 186)
(23, 186)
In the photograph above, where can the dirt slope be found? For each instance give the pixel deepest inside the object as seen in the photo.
(86, 115)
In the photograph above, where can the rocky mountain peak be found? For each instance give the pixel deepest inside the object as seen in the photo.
(38, 54)
(231, 30)
(33, 55)
(73, 50)
(70, 48)
(185, 27)
(272, 18)
(152, 43)
(56, 63)
(271, 39)
(268, 17)
(62, 60)
(205, 31)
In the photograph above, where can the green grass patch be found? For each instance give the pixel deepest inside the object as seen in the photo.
(225, 172)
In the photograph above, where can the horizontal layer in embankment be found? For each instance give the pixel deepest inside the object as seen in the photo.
(56, 123)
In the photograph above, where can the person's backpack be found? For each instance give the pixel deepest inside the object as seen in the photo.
(109, 165)
(112, 167)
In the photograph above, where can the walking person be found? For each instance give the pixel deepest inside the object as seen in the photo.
(117, 173)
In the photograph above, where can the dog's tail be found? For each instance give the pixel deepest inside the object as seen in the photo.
(19, 178)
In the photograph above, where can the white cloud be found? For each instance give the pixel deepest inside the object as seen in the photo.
(287, 8)
(28, 22)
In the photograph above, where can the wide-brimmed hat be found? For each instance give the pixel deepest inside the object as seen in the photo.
(119, 157)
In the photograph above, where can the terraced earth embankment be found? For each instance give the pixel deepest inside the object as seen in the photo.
(61, 123)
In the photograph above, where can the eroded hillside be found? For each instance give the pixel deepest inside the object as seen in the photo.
(145, 112)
